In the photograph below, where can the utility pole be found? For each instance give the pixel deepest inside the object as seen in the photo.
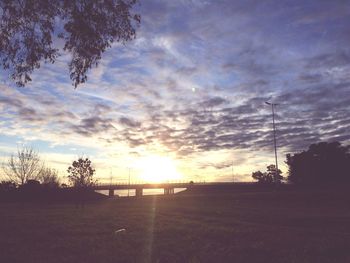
(273, 105)
(233, 177)
(111, 177)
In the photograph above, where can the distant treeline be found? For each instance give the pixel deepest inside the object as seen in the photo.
(29, 179)
(322, 164)
(33, 191)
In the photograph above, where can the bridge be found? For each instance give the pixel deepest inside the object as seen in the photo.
(138, 187)
(170, 186)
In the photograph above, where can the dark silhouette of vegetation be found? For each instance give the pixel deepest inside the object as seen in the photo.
(30, 181)
(81, 177)
(81, 174)
(23, 166)
(323, 163)
(49, 177)
(8, 190)
(26, 166)
(269, 177)
(7, 186)
(29, 30)
(34, 191)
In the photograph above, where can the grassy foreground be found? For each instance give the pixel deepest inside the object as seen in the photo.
(208, 226)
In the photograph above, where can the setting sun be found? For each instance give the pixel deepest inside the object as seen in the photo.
(158, 169)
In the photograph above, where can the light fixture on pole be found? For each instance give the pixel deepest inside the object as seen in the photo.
(273, 105)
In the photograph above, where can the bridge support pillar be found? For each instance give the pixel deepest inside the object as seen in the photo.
(111, 192)
(139, 192)
(168, 191)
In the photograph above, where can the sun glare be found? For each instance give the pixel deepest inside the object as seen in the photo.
(158, 169)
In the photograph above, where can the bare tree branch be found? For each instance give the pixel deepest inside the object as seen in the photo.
(23, 166)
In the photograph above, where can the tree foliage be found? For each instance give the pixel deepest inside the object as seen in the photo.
(322, 163)
(30, 29)
(23, 166)
(49, 177)
(81, 173)
(269, 177)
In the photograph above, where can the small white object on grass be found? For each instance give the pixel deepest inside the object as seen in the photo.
(120, 231)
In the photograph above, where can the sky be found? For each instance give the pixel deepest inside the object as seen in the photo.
(186, 99)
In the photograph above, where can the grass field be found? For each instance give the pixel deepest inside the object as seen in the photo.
(224, 226)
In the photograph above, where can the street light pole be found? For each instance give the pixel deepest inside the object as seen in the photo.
(111, 177)
(233, 177)
(274, 132)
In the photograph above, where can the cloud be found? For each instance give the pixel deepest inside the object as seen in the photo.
(194, 83)
(10, 102)
(92, 126)
(129, 122)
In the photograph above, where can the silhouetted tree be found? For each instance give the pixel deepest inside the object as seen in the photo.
(49, 177)
(30, 29)
(23, 166)
(81, 173)
(322, 163)
(269, 177)
(261, 177)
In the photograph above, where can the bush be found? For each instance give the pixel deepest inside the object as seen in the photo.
(322, 164)
(269, 177)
